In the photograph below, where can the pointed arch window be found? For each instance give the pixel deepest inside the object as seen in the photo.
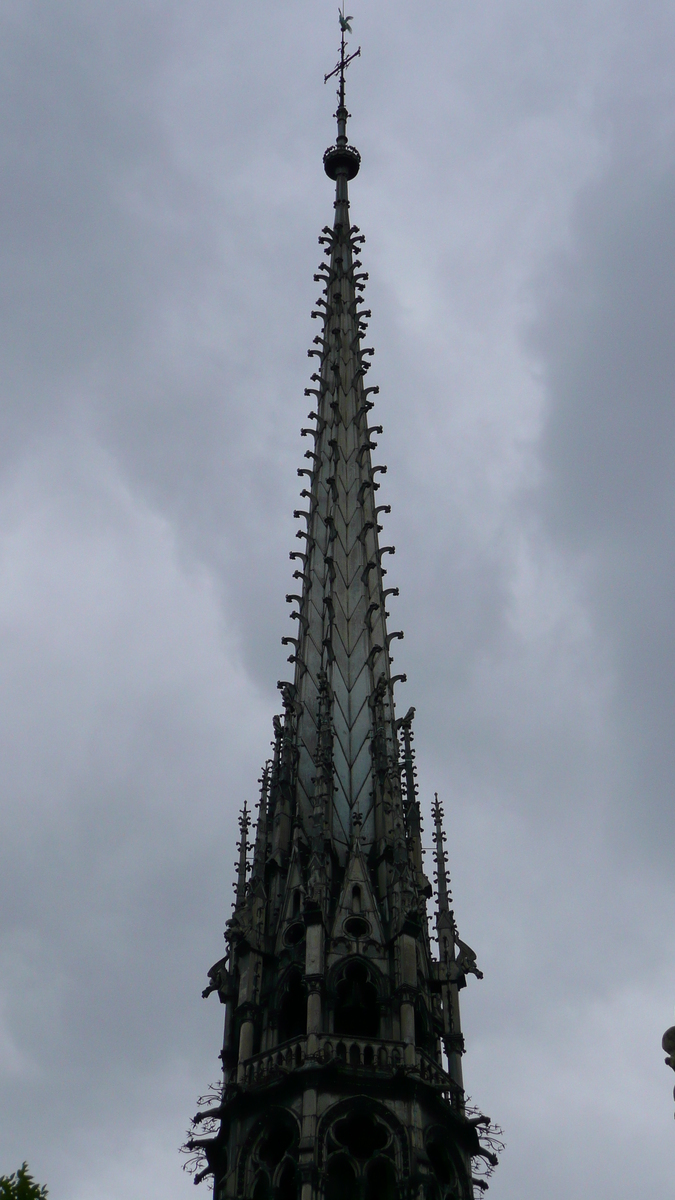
(380, 1180)
(424, 1037)
(340, 1179)
(276, 1140)
(293, 1008)
(356, 1009)
(442, 1164)
(288, 1182)
(262, 1189)
(271, 1170)
(363, 1159)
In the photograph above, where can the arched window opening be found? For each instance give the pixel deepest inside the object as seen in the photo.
(441, 1162)
(380, 1181)
(288, 1183)
(262, 1190)
(275, 1143)
(340, 1180)
(423, 1035)
(356, 900)
(361, 1135)
(356, 1010)
(293, 1009)
(295, 933)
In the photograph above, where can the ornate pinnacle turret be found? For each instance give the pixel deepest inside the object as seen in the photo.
(413, 816)
(440, 856)
(260, 848)
(452, 948)
(242, 864)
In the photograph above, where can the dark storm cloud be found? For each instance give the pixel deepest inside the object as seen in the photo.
(608, 454)
(76, 127)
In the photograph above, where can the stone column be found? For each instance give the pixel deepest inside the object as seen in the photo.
(314, 978)
(407, 992)
(308, 1172)
(245, 1046)
(246, 1010)
(314, 1010)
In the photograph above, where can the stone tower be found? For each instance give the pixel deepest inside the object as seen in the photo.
(342, 1054)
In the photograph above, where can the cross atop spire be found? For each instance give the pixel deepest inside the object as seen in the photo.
(344, 61)
(342, 159)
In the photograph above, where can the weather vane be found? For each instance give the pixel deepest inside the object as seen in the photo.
(344, 62)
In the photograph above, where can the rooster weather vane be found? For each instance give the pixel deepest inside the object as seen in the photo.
(344, 62)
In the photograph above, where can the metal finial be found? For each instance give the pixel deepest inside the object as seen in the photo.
(339, 70)
(345, 59)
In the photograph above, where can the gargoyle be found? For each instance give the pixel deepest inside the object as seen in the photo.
(466, 960)
(217, 976)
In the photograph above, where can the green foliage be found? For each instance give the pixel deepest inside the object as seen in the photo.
(20, 1185)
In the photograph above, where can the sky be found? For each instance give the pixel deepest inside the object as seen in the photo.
(162, 196)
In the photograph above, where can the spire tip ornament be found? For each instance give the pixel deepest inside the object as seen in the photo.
(342, 161)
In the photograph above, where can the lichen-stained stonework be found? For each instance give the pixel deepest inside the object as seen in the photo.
(342, 1050)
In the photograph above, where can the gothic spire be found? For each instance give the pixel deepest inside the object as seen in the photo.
(342, 632)
(335, 1006)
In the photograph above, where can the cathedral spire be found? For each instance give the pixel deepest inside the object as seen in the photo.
(338, 1017)
(342, 636)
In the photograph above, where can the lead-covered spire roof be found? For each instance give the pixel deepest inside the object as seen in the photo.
(342, 641)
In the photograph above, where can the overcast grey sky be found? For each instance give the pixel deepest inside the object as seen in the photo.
(162, 195)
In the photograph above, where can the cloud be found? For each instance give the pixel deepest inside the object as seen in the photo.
(607, 489)
(164, 195)
(120, 772)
